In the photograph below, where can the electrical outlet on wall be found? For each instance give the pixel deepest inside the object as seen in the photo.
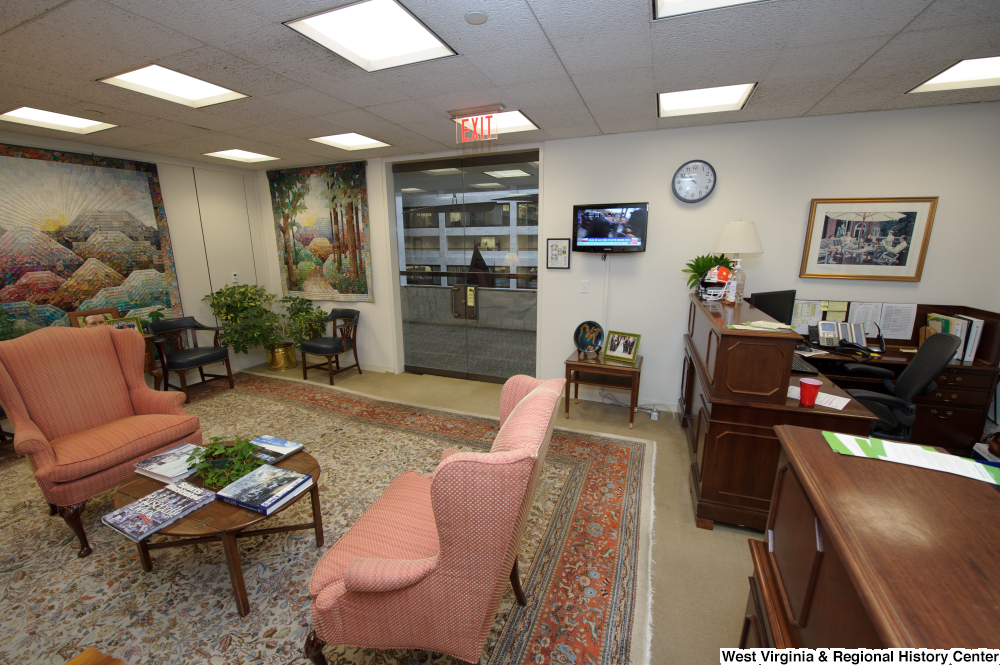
(236, 279)
(584, 286)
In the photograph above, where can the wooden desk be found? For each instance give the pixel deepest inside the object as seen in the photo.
(593, 370)
(873, 554)
(733, 392)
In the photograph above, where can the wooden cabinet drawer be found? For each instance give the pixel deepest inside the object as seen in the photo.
(948, 426)
(754, 635)
(796, 546)
(954, 396)
(961, 378)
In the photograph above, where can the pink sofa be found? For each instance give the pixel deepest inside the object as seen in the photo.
(426, 565)
(83, 415)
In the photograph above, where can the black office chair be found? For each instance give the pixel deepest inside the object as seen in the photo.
(179, 356)
(331, 347)
(896, 411)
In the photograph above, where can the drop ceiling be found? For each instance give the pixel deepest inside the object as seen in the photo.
(576, 68)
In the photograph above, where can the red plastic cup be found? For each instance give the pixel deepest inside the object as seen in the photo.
(808, 390)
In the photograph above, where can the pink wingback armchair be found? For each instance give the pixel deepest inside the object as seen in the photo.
(83, 415)
(426, 565)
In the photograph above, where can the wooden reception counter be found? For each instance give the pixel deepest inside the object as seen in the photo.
(869, 554)
(733, 392)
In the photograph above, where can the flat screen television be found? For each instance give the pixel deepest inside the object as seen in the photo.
(610, 227)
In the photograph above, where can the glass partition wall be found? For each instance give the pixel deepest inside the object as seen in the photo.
(467, 232)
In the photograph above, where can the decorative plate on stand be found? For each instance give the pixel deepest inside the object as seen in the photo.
(589, 337)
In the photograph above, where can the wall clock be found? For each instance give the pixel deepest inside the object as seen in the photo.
(694, 181)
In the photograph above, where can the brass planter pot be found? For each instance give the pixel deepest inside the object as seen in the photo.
(282, 357)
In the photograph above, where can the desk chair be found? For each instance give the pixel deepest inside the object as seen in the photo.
(896, 411)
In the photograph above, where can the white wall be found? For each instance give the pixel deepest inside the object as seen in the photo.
(767, 172)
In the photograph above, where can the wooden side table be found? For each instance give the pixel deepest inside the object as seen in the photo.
(593, 370)
(224, 523)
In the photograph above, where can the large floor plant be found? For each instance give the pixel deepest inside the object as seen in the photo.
(249, 321)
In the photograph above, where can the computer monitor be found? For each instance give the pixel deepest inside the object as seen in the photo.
(776, 304)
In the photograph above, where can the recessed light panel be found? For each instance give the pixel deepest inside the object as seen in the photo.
(350, 141)
(704, 100)
(513, 173)
(373, 34)
(978, 73)
(488, 185)
(442, 171)
(173, 86)
(411, 190)
(665, 8)
(64, 123)
(240, 156)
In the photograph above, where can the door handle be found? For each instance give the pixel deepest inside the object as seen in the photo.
(454, 293)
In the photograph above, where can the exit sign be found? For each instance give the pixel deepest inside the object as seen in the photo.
(476, 128)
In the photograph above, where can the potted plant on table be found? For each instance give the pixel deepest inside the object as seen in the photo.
(223, 461)
(249, 321)
(701, 264)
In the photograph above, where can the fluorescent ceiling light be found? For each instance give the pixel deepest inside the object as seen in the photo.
(665, 8)
(442, 171)
(488, 185)
(350, 141)
(512, 173)
(373, 34)
(978, 73)
(412, 190)
(173, 86)
(240, 156)
(49, 120)
(704, 100)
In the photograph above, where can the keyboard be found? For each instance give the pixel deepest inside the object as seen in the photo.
(801, 366)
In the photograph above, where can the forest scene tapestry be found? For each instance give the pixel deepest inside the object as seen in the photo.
(321, 222)
(80, 232)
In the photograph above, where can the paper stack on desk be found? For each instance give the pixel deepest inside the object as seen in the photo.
(823, 399)
(911, 454)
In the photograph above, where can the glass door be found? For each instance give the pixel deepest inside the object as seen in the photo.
(467, 231)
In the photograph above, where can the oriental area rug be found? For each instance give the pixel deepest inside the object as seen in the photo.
(584, 560)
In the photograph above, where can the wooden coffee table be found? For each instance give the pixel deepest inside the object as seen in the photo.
(224, 523)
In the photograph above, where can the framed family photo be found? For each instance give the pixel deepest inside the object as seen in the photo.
(557, 253)
(621, 346)
(880, 239)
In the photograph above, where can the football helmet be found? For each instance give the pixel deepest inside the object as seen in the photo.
(714, 282)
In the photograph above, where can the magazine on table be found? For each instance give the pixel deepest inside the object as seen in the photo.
(141, 519)
(170, 465)
(275, 448)
(265, 489)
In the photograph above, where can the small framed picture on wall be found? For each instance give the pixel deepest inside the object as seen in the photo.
(557, 253)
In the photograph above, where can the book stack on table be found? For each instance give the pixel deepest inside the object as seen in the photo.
(141, 519)
(263, 490)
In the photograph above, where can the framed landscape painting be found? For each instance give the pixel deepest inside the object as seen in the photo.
(880, 239)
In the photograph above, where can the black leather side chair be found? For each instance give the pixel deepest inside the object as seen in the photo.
(179, 356)
(896, 410)
(331, 347)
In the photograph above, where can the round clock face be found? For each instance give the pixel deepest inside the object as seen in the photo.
(694, 181)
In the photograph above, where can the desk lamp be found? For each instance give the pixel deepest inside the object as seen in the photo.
(738, 237)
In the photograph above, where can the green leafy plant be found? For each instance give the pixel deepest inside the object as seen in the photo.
(156, 315)
(6, 325)
(700, 264)
(249, 320)
(224, 461)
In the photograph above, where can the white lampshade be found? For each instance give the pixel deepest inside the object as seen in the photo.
(739, 238)
(510, 259)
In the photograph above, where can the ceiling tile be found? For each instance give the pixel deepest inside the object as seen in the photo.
(822, 22)
(221, 68)
(308, 101)
(565, 18)
(436, 77)
(16, 13)
(519, 63)
(956, 13)
(615, 49)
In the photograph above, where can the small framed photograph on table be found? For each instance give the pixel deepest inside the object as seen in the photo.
(621, 346)
(127, 323)
(557, 253)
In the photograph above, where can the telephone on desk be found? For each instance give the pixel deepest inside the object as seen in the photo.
(843, 337)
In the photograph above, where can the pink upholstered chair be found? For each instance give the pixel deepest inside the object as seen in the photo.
(426, 565)
(82, 413)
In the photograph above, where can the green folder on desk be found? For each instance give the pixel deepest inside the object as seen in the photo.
(911, 454)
